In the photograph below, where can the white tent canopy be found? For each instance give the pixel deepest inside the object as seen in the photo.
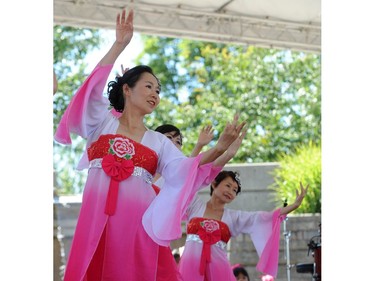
(281, 24)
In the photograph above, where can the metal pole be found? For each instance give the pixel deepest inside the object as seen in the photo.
(287, 254)
(286, 237)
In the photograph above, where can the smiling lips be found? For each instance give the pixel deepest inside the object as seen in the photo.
(228, 196)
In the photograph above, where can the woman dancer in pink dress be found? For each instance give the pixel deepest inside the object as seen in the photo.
(122, 221)
(211, 225)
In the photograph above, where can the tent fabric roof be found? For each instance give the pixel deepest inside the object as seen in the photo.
(280, 24)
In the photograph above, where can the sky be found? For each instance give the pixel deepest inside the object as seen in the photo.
(127, 56)
(26, 144)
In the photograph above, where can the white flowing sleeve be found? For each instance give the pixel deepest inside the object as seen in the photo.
(87, 109)
(258, 225)
(183, 176)
(264, 230)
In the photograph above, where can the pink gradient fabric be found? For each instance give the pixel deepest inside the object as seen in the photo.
(165, 228)
(269, 260)
(117, 247)
(75, 120)
(260, 226)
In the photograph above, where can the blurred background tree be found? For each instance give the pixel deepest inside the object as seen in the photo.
(70, 47)
(304, 165)
(277, 92)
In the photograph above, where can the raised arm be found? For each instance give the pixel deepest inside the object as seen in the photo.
(124, 33)
(205, 136)
(231, 132)
(299, 198)
(232, 150)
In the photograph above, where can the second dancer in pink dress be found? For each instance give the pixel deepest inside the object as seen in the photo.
(211, 225)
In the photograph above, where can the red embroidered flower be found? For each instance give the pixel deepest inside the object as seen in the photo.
(210, 225)
(122, 147)
(210, 232)
(118, 170)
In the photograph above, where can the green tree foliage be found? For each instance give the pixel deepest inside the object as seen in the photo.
(277, 92)
(71, 45)
(304, 165)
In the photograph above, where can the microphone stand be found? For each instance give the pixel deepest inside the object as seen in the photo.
(286, 237)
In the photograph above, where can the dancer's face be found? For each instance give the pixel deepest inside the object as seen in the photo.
(176, 139)
(145, 94)
(226, 190)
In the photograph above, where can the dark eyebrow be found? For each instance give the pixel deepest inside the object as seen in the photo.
(153, 84)
(233, 184)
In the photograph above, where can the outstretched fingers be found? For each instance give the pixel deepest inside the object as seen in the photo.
(130, 17)
(243, 132)
(240, 127)
(124, 70)
(300, 194)
(207, 128)
(123, 20)
(118, 19)
(235, 118)
(303, 189)
(123, 15)
(234, 124)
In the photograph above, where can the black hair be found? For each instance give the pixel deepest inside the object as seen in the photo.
(130, 77)
(167, 128)
(240, 269)
(223, 175)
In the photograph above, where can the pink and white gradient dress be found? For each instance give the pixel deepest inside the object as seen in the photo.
(122, 222)
(205, 257)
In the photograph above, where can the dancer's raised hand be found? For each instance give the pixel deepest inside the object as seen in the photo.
(231, 132)
(124, 27)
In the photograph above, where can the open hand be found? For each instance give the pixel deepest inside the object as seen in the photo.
(122, 70)
(233, 148)
(231, 132)
(301, 194)
(124, 27)
(206, 135)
